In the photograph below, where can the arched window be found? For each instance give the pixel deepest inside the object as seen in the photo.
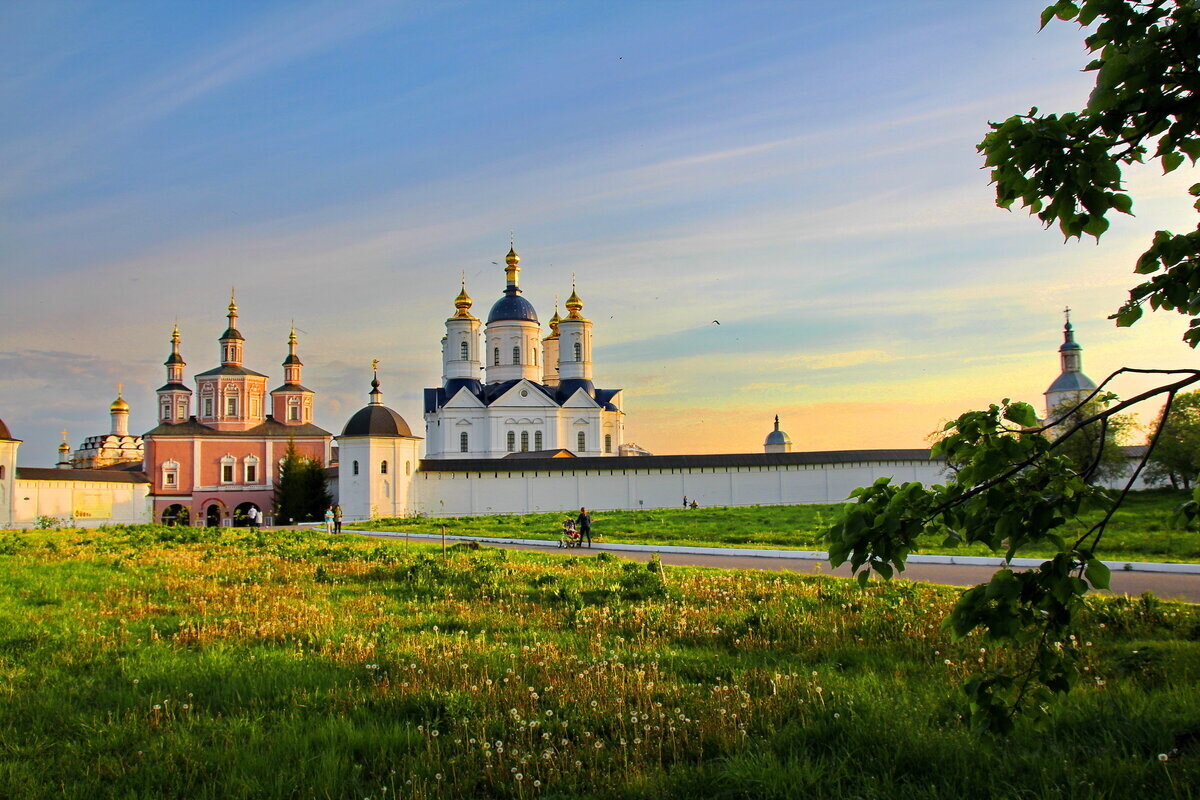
(383, 468)
(354, 468)
(578, 351)
(512, 442)
(1, 472)
(464, 445)
(462, 351)
(581, 440)
(517, 355)
(537, 440)
(608, 442)
(496, 357)
(524, 441)
(533, 352)
(408, 468)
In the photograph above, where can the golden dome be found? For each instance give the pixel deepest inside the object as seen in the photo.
(574, 305)
(119, 406)
(512, 259)
(463, 303)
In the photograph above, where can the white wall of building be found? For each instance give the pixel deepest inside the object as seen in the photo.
(81, 503)
(517, 491)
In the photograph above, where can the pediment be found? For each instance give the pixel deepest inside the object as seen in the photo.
(580, 399)
(463, 399)
(524, 394)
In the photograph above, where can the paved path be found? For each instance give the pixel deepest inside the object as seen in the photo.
(1166, 585)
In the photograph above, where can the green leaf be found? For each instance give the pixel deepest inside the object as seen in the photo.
(1171, 162)
(1123, 203)
(1022, 414)
(1098, 574)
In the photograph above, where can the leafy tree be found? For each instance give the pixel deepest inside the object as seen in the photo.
(1176, 459)
(1095, 449)
(1015, 487)
(301, 493)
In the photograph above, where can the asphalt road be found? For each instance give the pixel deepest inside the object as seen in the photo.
(1164, 585)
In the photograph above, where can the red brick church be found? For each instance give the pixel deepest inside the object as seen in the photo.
(214, 465)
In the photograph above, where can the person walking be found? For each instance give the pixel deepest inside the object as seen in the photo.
(329, 520)
(685, 504)
(337, 519)
(583, 524)
(253, 516)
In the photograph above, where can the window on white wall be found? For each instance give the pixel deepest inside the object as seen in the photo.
(524, 441)
(537, 440)
(496, 357)
(354, 468)
(383, 468)
(464, 443)
(581, 440)
(578, 352)
(462, 351)
(512, 442)
(608, 442)
(517, 355)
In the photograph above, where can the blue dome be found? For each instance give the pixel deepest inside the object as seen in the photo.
(512, 307)
(1071, 382)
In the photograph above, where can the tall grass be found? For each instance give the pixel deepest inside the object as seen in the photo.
(146, 663)
(1142, 530)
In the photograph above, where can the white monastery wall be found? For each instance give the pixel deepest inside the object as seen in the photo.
(513, 490)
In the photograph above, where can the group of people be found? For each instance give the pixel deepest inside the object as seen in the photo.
(575, 529)
(333, 519)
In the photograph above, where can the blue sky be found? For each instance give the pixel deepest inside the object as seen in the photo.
(803, 172)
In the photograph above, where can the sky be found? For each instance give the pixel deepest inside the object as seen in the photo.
(804, 173)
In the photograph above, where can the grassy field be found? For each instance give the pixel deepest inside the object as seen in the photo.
(1140, 531)
(191, 663)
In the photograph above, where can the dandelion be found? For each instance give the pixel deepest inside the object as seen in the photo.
(1163, 757)
(536, 784)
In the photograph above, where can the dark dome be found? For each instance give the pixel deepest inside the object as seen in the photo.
(4, 434)
(376, 420)
(512, 306)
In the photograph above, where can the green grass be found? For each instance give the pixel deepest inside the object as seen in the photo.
(1141, 530)
(148, 663)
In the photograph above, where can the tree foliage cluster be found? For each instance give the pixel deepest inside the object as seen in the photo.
(301, 492)
(1017, 483)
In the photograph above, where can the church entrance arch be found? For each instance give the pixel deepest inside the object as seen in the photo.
(241, 515)
(176, 514)
(212, 515)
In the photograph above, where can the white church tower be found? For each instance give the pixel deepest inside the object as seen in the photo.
(1071, 385)
(378, 457)
(513, 333)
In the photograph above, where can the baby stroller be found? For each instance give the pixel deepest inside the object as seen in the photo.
(569, 536)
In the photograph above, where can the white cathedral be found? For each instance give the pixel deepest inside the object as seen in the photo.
(507, 390)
